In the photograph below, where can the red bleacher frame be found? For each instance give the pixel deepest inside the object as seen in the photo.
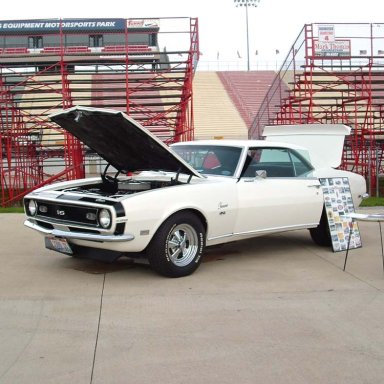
(345, 88)
(136, 79)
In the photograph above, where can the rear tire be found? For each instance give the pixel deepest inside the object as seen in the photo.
(177, 246)
(321, 235)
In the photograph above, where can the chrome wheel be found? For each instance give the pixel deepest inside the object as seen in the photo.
(183, 245)
(178, 245)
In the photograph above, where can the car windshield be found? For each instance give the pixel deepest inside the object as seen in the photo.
(210, 159)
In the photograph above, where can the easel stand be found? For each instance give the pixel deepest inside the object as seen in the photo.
(376, 218)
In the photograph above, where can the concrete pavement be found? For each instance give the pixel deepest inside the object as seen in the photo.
(276, 309)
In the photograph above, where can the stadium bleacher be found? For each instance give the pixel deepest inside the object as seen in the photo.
(247, 90)
(216, 116)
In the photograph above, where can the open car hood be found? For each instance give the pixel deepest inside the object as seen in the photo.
(120, 140)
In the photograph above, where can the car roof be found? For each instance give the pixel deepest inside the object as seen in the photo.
(242, 143)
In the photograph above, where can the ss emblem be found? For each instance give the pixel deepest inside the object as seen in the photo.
(60, 213)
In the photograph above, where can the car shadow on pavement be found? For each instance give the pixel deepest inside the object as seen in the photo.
(264, 247)
(96, 267)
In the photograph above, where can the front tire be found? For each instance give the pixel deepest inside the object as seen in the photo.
(177, 246)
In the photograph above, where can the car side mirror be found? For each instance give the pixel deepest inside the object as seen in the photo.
(261, 174)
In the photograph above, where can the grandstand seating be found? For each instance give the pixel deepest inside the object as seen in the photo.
(13, 51)
(52, 50)
(135, 49)
(247, 90)
(77, 49)
(215, 113)
(37, 101)
(122, 48)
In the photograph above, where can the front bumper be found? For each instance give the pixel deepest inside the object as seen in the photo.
(78, 235)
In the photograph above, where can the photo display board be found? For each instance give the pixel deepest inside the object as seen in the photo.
(338, 204)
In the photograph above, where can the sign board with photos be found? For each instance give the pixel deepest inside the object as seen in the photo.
(338, 204)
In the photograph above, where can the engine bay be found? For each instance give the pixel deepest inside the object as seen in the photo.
(115, 188)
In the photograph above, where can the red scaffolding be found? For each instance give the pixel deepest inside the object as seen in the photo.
(111, 68)
(334, 73)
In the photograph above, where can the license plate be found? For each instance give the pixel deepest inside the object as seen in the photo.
(59, 245)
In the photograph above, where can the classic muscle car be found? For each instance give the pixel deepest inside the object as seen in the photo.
(168, 204)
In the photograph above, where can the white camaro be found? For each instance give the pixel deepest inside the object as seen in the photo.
(167, 205)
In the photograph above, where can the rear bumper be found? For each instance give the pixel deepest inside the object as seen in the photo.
(78, 235)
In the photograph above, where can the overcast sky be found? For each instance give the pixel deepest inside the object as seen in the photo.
(273, 25)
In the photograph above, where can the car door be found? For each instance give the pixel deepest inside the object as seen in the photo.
(277, 192)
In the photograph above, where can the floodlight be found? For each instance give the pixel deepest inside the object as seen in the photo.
(246, 3)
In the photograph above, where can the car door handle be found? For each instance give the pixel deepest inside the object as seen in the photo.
(314, 186)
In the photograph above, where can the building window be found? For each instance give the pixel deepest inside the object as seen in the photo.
(35, 42)
(96, 40)
(153, 39)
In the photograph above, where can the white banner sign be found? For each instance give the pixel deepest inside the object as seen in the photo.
(337, 48)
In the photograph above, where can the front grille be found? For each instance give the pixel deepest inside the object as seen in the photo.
(67, 213)
(91, 231)
(44, 224)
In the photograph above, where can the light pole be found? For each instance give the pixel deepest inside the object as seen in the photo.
(246, 4)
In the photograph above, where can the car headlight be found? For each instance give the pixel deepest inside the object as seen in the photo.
(32, 207)
(105, 218)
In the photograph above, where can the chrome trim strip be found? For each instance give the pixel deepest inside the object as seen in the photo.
(78, 235)
(279, 229)
(267, 230)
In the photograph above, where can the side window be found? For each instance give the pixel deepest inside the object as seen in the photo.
(277, 162)
(302, 167)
